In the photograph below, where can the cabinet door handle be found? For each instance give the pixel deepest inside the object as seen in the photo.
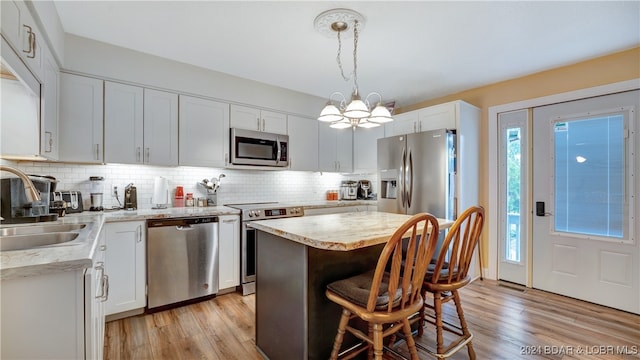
(263, 126)
(148, 154)
(32, 42)
(106, 288)
(100, 268)
(97, 151)
(138, 154)
(258, 123)
(103, 247)
(49, 140)
(139, 233)
(229, 221)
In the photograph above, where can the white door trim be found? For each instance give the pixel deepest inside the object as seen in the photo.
(492, 152)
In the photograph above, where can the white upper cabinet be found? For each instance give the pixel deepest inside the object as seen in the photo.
(123, 123)
(365, 149)
(244, 117)
(405, 123)
(80, 121)
(141, 125)
(20, 120)
(19, 28)
(49, 100)
(160, 128)
(12, 14)
(204, 132)
(303, 143)
(335, 149)
(442, 116)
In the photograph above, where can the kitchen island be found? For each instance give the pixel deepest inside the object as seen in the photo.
(296, 259)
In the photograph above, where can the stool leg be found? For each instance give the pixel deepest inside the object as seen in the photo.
(344, 320)
(370, 351)
(377, 341)
(423, 293)
(437, 308)
(411, 344)
(463, 324)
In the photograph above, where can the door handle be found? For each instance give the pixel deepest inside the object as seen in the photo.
(403, 177)
(410, 178)
(540, 209)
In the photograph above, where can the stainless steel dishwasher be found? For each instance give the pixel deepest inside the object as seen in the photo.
(182, 259)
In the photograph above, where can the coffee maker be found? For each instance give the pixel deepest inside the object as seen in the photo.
(130, 197)
(364, 189)
(14, 207)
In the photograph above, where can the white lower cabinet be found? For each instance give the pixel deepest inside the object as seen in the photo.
(126, 249)
(229, 251)
(57, 315)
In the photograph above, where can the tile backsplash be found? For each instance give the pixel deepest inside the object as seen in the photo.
(238, 186)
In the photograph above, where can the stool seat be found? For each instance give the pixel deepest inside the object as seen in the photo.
(356, 289)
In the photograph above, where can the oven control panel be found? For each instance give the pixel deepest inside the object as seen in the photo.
(274, 213)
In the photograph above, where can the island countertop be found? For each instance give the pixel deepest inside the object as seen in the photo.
(340, 232)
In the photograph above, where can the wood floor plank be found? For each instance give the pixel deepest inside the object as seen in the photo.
(508, 322)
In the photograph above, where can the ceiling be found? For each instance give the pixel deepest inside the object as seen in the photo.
(407, 51)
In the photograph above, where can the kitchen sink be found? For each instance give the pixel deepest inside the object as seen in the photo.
(23, 242)
(39, 229)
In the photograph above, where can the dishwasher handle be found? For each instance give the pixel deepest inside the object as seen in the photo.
(184, 227)
(181, 223)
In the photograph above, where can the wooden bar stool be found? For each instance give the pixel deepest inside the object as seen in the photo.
(448, 274)
(390, 294)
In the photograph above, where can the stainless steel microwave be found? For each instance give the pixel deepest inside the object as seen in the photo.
(250, 147)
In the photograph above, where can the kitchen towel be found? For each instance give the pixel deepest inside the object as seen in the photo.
(160, 192)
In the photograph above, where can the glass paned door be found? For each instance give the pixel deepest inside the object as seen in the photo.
(513, 177)
(584, 172)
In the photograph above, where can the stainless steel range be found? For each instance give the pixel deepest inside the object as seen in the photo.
(253, 212)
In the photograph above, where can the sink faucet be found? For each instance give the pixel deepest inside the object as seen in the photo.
(29, 189)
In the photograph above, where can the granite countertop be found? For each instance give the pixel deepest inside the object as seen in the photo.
(70, 256)
(336, 203)
(172, 212)
(78, 254)
(340, 232)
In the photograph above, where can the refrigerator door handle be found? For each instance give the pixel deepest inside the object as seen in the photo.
(410, 178)
(402, 176)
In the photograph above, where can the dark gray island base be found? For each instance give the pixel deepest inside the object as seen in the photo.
(294, 319)
(296, 259)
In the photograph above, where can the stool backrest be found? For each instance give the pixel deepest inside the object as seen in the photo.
(406, 269)
(453, 261)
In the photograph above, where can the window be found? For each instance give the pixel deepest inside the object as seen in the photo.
(591, 176)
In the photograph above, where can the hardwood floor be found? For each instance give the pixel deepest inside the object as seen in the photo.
(508, 322)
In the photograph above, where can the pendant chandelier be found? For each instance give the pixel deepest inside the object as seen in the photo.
(358, 112)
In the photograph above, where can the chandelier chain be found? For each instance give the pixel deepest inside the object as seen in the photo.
(339, 58)
(355, 56)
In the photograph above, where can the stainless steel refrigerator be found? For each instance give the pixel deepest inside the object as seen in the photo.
(416, 173)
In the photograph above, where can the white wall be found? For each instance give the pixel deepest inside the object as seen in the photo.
(91, 57)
